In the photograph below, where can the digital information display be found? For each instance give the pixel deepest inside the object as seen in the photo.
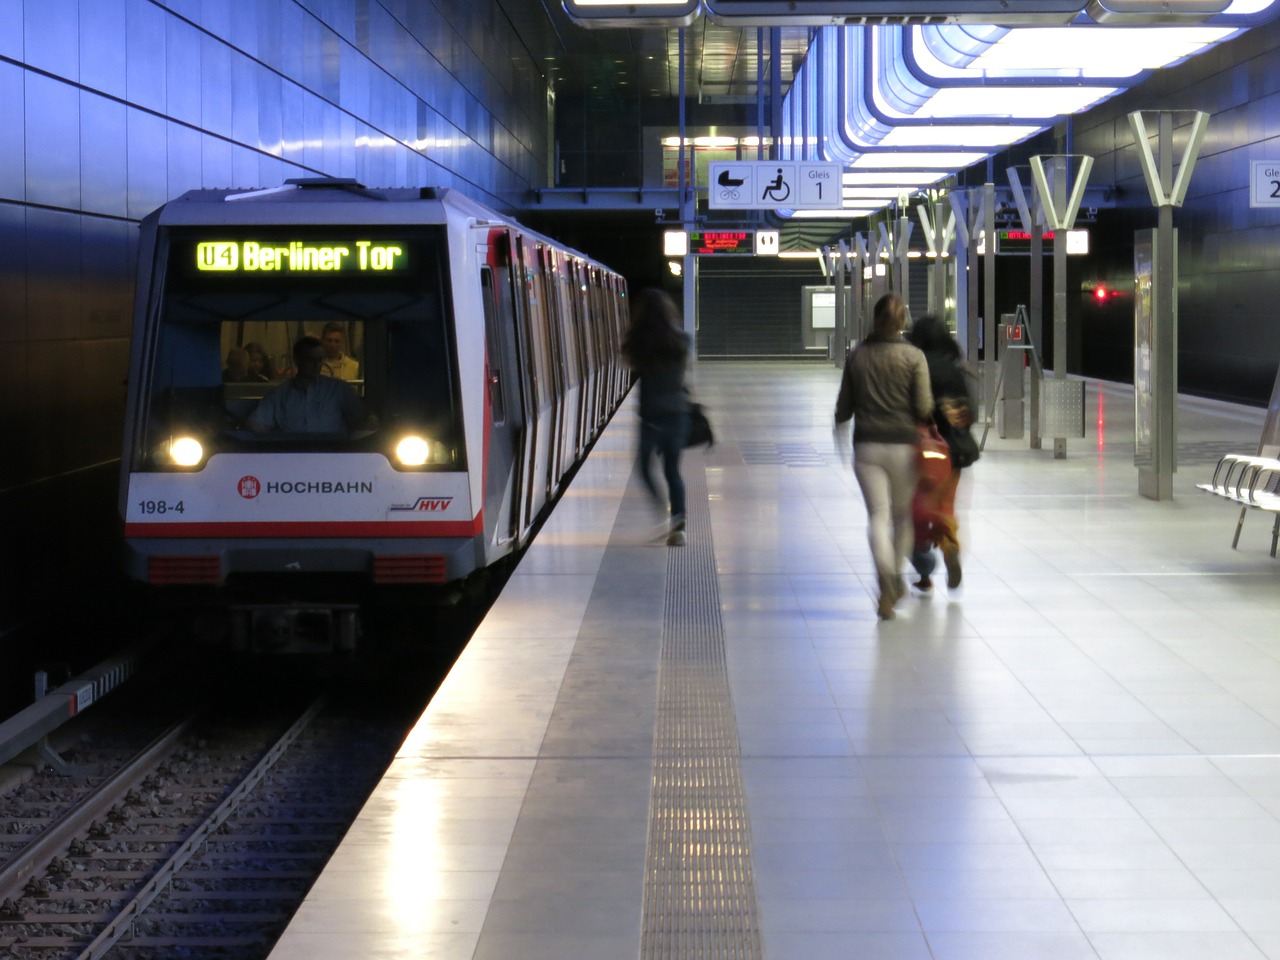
(298, 256)
(722, 241)
(1019, 241)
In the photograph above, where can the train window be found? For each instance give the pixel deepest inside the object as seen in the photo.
(225, 338)
(497, 396)
(539, 331)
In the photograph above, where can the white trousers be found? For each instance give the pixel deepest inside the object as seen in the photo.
(886, 472)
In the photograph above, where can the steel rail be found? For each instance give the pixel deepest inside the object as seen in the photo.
(76, 820)
(123, 922)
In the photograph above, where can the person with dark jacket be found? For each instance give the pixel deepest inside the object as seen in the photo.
(657, 349)
(885, 389)
(934, 510)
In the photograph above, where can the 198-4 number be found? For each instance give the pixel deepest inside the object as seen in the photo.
(152, 507)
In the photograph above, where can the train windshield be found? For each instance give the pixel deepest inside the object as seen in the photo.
(303, 338)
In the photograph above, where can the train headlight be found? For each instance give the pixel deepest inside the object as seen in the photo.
(413, 451)
(186, 452)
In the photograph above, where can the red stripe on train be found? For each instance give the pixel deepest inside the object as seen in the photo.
(355, 528)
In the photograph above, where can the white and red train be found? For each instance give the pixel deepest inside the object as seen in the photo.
(489, 355)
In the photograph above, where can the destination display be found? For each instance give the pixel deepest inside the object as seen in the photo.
(1019, 241)
(299, 256)
(706, 242)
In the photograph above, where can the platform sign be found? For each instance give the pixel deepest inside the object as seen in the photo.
(768, 184)
(767, 242)
(1264, 183)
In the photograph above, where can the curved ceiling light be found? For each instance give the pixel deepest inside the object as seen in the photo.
(915, 104)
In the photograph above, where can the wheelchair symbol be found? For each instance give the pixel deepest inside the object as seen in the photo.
(777, 191)
(729, 185)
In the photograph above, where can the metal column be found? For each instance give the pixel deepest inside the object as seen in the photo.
(990, 370)
(1061, 401)
(1155, 387)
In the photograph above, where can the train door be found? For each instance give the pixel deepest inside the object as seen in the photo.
(555, 343)
(507, 443)
(570, 370)
(583, 298)
(535, 358)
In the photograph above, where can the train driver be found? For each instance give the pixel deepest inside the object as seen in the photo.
(310, 402)
(336, 362)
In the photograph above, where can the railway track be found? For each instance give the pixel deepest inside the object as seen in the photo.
(200, 841)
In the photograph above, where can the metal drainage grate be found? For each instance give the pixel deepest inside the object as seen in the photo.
(700, 900)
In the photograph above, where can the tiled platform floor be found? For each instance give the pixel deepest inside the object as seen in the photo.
(1076, 756)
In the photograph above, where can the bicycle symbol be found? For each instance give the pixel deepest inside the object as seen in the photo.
(778, 190)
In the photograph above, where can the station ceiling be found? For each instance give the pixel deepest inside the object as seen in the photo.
(896, 102)
(644, 63)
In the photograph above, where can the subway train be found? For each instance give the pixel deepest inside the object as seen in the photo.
(483, 359)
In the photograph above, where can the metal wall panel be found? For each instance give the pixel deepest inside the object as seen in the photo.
(13, 408)
(13, 142)
(269, 97)
(104, 177)
(148, 162)
(108, 250)
(215, 86)
(145, 54)
(53, 275)
(182, 151)
(50, 37)
(102, 46)
(13, 274)
(215, 162)
(53, 142)
(183, 45)
(11, 29)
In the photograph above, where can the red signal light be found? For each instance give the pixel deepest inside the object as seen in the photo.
(1100, 293)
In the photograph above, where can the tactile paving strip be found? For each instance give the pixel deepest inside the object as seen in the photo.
(786, 454)
(700, 901)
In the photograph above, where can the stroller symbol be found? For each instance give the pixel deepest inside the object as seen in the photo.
(778, 190)
(729, 186)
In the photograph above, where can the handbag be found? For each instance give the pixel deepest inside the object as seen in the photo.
(964, 448)
(934, 456)
(700, 432)
(958, 413)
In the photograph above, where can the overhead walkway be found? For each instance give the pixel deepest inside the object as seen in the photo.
(718, 751)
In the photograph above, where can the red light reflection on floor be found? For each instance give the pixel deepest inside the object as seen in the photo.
(1102, 423)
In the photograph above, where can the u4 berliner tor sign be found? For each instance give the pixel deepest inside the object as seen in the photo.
(768, 184)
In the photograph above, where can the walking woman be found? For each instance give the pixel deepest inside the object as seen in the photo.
(934, 510)
(657, 349)
(885, 389)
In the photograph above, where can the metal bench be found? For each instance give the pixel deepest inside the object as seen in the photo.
(1253, 481)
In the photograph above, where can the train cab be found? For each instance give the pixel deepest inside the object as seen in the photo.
(336, 393)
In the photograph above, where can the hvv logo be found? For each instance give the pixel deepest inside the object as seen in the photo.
(428, 504)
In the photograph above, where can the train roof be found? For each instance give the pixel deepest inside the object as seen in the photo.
(320, 200)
